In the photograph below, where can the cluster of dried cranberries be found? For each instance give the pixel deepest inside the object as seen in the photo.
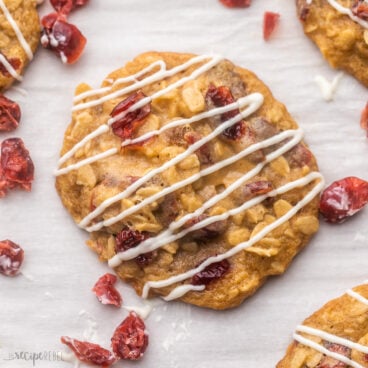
(61, 37)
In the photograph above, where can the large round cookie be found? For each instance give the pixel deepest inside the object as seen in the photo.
(19, 38)
(336, 336)
(271, 193)
(340, 31)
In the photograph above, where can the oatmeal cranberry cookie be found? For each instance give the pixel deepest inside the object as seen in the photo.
(192, 180)
(336, 336)
(340, 29)
(19, 38)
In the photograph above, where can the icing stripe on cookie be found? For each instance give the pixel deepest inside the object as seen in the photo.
(17, 31)
(332, 338)
(182, 290)
(304, 341)
(357, 296)
(238, 248)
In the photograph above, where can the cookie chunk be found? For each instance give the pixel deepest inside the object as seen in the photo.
(340, 29)
(19, 38)
(192, 180)
(336, 336)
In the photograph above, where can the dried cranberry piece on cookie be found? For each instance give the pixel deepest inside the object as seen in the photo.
(14, 62)
(128, 122)
(211, 273)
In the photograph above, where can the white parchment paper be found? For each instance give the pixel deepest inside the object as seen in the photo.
(53, 298)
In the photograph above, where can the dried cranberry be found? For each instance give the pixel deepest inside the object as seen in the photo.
(106, 292)
(204, 153)
(211, 273)
(130, 339)
(9, 114)
(343, 198)
(270, 21)
(16, 166)
(299, 156)
(208, 232)
(89, 353)
(257, 188)
(328, 362)
(360, 9)
(63, 38)
(364, 119)
(129, 238)
(11, 258)
(236, 3)
(221, 96)
(66, 6)
(14, 62)
(126, 126)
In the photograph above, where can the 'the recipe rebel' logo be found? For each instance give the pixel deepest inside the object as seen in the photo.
(34, 357)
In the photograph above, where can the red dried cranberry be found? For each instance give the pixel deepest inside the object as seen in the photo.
(9, 114)
(236, 3)
(16, 166)
(106, 292)
(66, 6)
(208, 232)
(126, 126)
(343, 198)
(63, 38)
(221, 96)
(129, 238)
(14, 62)
(204, 153)
(211, 273)
(328, 362)
(130, 339)
(89, 353)
(270, 21)
(11, 258)
(299, 156)
(364, 119)
(360, 9)
(257, 188)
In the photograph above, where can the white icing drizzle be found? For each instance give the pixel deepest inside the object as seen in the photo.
(168, 235)
(130, 78)
(241, 246)
(343, 10)
(89, 160)
(357, 296)
(333, 338)
(182, 290)
(17, 31)
(328, 89)
(255, 100)
(159, 75)
(325, 351)
(10, 68)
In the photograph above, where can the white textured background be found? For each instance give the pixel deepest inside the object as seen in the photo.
(36, 310)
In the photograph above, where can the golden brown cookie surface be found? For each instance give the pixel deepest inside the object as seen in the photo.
(19, 38)
(333, 329)
(85, 189)
(340, 34)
